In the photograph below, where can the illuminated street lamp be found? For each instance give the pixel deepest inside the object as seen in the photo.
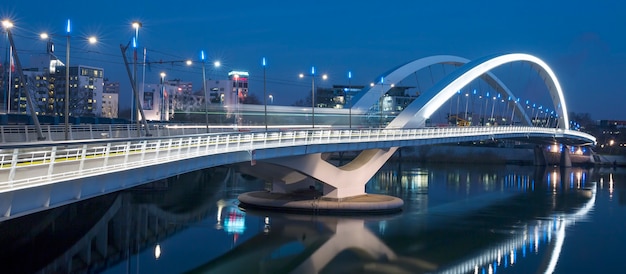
(66, 100)
(135, 105)
(23, 83)
(271, 97)
(206, 96)
(346, 94)
(324, 77)
(162, 105)
(264, 93)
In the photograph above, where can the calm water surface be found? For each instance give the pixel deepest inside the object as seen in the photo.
(456, 219)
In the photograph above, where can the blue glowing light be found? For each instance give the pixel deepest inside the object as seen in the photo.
(312, 70)
(69, 28)
(349, 74)
(474, 91)
(202, 55)
(264, 63)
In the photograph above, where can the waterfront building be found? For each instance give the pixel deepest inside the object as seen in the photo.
(110, 99)
(47, 88)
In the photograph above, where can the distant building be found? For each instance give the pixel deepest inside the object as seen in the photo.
(216, 90)
(110, 99)
(239, 83)
(158, 102)
(339, 96)
(47, 88)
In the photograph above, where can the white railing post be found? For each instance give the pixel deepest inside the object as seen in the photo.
(83, 152)
(16, 153)
(158, 149)
(169, 148)
(107, 151)
(180, 146)
(53, 155)
(126, 153)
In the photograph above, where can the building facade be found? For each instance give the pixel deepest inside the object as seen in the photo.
(110, 99)
(47, 83)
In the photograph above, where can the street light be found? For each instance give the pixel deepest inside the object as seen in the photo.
(324, 77)
(134, 106)
(7, 25)
(162, 104)
(271, 97)
(236, 76)
(346, 94)
(206, 96)
(264, 93)
(23, 83)
(66, 100)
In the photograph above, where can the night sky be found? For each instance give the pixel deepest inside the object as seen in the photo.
(583, 41)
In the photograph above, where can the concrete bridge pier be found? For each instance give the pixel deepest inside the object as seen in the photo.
(294, 180)
(560, 157)
(540, 157)
(566, 160)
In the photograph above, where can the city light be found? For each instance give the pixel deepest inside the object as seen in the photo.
(7, 24)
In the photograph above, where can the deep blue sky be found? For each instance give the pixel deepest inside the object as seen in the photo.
(583, 41)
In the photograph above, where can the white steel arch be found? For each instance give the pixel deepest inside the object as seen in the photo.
(373, 94)
(416, 114)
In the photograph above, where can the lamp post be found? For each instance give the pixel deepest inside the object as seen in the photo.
(134, 106)
(236, 76)
(66, 100)
(206, 96)
(271, 99)
(324, 77)
(264, 93)
(162, 104)
(7, 25)
(346, 94)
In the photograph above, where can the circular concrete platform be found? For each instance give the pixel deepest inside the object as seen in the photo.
(307, 203)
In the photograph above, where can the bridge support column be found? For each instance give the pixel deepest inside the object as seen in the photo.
(540, 156)
(565, 160)
(341, 186)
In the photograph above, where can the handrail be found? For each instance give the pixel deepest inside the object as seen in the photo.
(27, 164)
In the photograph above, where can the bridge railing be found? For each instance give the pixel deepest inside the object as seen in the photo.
(26, 164)
(28, 133)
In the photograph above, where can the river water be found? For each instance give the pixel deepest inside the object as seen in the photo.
(456, 219)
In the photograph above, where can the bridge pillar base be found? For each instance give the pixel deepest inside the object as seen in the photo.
(540, 156)
(565, 160)
(301, 203)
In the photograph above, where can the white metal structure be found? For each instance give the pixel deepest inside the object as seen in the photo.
(35, 176)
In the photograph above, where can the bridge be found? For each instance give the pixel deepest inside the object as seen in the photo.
(39, 175)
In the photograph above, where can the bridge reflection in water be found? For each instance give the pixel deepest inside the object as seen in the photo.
(455, 221)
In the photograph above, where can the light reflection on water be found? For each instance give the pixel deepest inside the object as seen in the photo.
(457, 219)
